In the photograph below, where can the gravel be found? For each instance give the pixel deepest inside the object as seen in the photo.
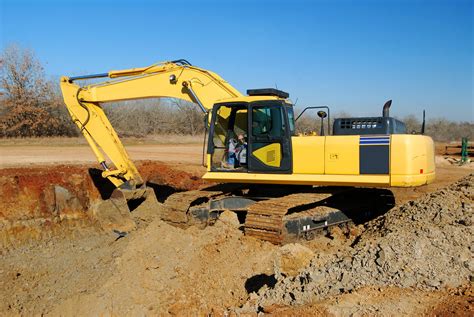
(425, 244)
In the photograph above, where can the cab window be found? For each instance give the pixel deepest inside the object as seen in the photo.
(267, 121)
(221, 126)
(291, 120)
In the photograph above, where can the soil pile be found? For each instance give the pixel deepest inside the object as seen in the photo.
(165, 269)
(427, 244)
(157, 269)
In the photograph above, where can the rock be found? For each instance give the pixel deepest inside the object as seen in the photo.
(148, 209)
(347, 262)
(230, 218)
(65, 202)
(345, 279)
(113, 214)
(380, 258)
(292, 258)
(178, 308)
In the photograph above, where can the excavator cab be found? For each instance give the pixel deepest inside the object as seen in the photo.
(253, 136)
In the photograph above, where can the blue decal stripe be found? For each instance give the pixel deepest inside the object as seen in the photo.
(377, 140)
(374, 142)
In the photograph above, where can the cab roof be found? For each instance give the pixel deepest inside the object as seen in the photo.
(263, 94)
(268, 92)
(253, 99)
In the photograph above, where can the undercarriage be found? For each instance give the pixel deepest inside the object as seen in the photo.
(278, 214)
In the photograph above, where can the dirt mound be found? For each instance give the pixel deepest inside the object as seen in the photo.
(160, 269)
(165, 269)
(39, 274)
(425, 244)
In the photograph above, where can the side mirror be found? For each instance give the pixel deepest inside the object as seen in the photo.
(322, 115)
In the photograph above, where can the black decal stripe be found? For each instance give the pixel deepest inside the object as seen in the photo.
(374, 159)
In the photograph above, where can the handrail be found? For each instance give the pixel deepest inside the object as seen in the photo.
(318, 107)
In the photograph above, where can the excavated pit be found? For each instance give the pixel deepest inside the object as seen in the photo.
(42, 201)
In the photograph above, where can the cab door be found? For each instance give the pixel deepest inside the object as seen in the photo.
(228, 121)
(269, 146)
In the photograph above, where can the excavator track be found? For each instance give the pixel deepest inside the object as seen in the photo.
(278, 218)
(291, 217)
(177, 205)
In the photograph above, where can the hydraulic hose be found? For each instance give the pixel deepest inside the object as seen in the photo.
(83, 106)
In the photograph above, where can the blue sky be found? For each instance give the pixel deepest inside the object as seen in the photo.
(350, 55)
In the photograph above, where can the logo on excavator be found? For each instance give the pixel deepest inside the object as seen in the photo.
(271, 156)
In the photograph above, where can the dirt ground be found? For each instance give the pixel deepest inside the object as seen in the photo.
(78, 268)
(12, 156)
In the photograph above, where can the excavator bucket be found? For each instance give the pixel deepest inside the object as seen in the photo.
(124, 208)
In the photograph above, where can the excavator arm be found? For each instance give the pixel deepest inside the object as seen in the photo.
(177, 79)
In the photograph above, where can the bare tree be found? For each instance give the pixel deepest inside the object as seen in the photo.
(30, 106)
(412, 123)
(190, 119)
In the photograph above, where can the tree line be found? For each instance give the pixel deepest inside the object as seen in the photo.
(31, 105)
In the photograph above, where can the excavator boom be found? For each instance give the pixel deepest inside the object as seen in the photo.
(177, 79)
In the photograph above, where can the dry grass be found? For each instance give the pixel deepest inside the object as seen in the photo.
(80, 141)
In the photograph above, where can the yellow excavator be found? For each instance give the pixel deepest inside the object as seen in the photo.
(251, 139)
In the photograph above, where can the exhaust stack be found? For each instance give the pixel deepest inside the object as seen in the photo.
(386, 109)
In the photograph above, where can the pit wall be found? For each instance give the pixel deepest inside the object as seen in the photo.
(36, 202)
